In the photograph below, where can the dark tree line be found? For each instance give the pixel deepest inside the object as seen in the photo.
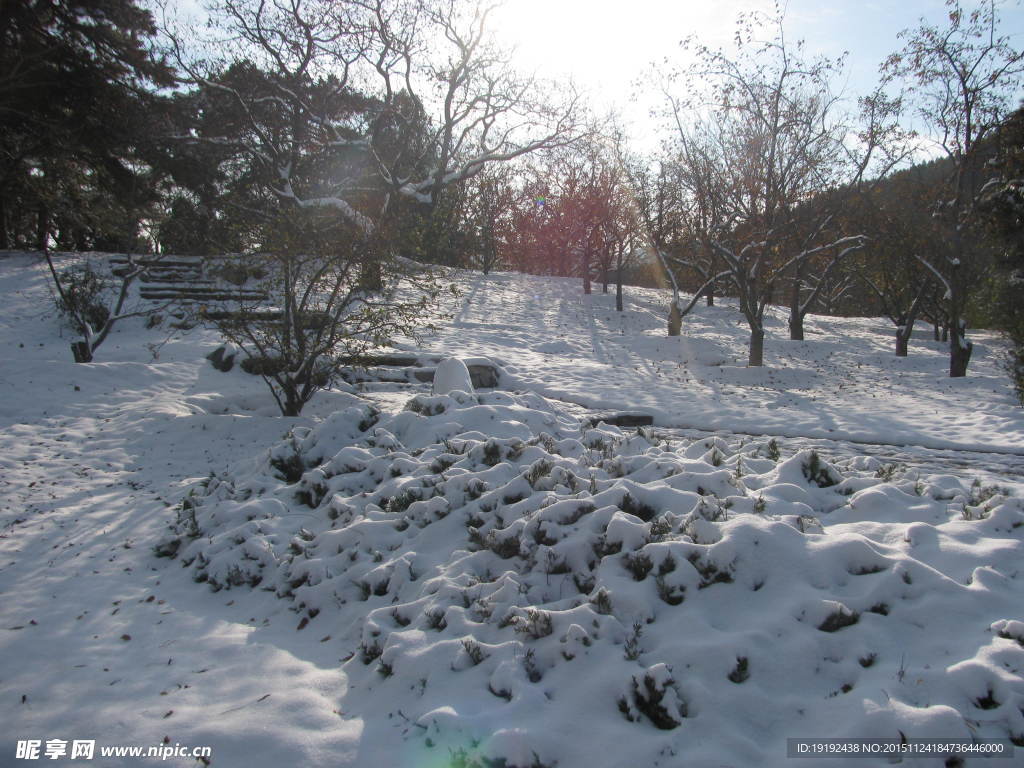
(79, 122)
(1002, 206)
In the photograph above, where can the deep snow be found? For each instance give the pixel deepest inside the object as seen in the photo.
(467, 576)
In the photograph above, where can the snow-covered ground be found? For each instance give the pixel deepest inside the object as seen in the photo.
(404, 579)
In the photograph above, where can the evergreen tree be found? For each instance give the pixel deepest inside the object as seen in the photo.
(1002, 204)
(75, 103)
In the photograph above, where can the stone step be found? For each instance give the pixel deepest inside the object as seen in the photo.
(204, 296)
(484, 375)
(177, 284)
(191, 262)
(197, 288)
(187, 268)
(161, 275)
(622, 419)
(393, 360)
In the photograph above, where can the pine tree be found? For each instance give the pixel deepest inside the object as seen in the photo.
(74, 109)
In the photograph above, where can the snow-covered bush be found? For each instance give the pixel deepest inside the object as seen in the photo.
(491, 560)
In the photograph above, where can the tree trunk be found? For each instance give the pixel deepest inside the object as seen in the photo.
(935, 332)
(796, 318)
(81, 352)
(371, 277)
(960, 350)
(4, 242)
(618, 291)
(756, 357)
(796, 326)
(959, 357)
(904, 330)
(292, 402)
(902, 337)
(586, 272)
(711, 296)
(43, 231)
(675, 320)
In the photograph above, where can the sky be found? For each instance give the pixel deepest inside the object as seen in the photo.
(606, 46)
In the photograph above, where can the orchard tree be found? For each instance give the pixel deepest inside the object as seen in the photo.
(898, 285)
(691, 253)
(564, 220)
(960, 78)
(602, 213)
(490, 199)
(756, 136)
(660, 215)
(879, 146)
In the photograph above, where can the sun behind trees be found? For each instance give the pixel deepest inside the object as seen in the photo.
(346, 133)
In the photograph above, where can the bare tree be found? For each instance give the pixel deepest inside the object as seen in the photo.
(881, 144)
(835, 290)
(401, 98)
(902, 297)
(961, 79)
(569, 214)
(896, 283)
(490, 197)
(95, 302)
(771, 137)
(691, 251)
(324, 317)
(664, 218)
(340, 114)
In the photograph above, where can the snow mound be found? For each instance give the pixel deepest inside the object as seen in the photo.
(502, 572)
(452, 375)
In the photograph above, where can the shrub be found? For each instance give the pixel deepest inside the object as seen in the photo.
(85, 295)
(93, 302)
(638, 563)
(818, 472)
(656, 697)
(838, 620)
(474, 651)
(536, 624)
(334, 288)
(741, 671)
